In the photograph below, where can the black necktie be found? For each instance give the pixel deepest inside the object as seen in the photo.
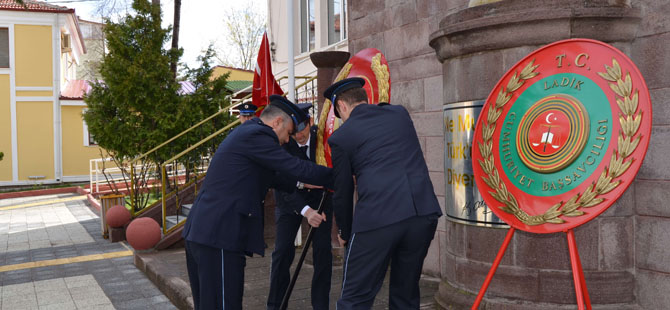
(303, 150)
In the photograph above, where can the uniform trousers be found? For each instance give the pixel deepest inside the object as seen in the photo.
(216, 276)
(282, 257)
(404, 245)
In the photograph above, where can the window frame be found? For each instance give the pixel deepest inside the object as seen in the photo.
(331, 21)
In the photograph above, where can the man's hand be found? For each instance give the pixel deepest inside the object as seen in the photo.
(310, 186)
(343, 243)
(314, 218)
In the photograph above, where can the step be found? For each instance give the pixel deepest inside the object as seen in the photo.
(173, 220)
(186, 209)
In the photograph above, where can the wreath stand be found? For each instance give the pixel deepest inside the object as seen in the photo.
(577, 271)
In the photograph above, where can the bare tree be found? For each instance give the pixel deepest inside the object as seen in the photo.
(244, 30)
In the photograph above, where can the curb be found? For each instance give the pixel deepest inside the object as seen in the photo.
(40, 192)
(174, 288)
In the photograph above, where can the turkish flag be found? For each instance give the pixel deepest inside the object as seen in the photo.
(264, 82)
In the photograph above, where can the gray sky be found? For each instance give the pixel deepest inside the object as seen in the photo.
(201, 20)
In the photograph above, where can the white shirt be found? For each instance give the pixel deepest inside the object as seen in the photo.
(306, 144)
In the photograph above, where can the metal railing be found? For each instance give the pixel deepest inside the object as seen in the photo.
(185, 186)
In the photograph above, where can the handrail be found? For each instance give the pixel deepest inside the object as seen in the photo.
(180, 134)
(301, 84)
(163, 166)
(201, 142)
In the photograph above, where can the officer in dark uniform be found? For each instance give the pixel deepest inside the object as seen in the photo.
(226, 221)
(291, 207)
(247, 112)
(396, 212)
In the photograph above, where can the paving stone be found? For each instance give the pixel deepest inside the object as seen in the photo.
(60, 231)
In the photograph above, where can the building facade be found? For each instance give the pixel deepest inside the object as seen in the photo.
(42, 134)
(442, 53)
(318, 25)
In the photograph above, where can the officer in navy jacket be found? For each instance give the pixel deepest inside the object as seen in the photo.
(291, 207)
(395, 217)
(247, 111)
(226, 220)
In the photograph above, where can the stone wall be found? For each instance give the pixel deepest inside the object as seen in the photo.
(624, 251)
(651, 195)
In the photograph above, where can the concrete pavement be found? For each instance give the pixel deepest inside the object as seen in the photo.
(53, 256)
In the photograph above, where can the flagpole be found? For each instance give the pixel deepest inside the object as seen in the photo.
(291, 59)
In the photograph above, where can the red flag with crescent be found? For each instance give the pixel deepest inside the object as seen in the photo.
(264, 81)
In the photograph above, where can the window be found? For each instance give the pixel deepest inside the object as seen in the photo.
(307, 20)
(4, 47)
(89, 139)
(337, 21)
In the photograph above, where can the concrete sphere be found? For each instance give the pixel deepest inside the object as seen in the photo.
(117, 216)
(143, 233)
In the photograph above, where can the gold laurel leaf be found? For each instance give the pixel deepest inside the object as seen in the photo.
(621, 105)
(623, 145)
(528, 71)
(344, 72)
(507, 209)
(634, 102)
(625, 91)
(610, 187)
(615, 166)
(382, 75)
(488, 181)
(503, 98)
(514, 84)
(497, 196)
(611, 72)
(627, 126)
(634, 143)
(489, 163)
(554, 208)
(489, 148)
(551, 215)
(487, 131)
(617, 68)
(602, 182)
(571, 204)
(493, 114)
(606, 76)
(482, 149)
(485, 149)
(636, 123)
(627, 107)
(588, 195)
(593, 202)
(492, 128)
(628, 84)
(552, 221)
(616, 89)
(626, 165)
(552, 212)
(574, 213)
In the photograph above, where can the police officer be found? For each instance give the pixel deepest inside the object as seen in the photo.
(396, 212)
(247, 112)
(226, 221)
(291, 208)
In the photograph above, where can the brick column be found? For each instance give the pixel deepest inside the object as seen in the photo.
(476, 46)
(328, 65)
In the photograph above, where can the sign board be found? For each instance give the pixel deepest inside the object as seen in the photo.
(464, 203)
(562, 135)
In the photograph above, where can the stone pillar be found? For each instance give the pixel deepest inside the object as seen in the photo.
(476, 46)
(328, 64)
